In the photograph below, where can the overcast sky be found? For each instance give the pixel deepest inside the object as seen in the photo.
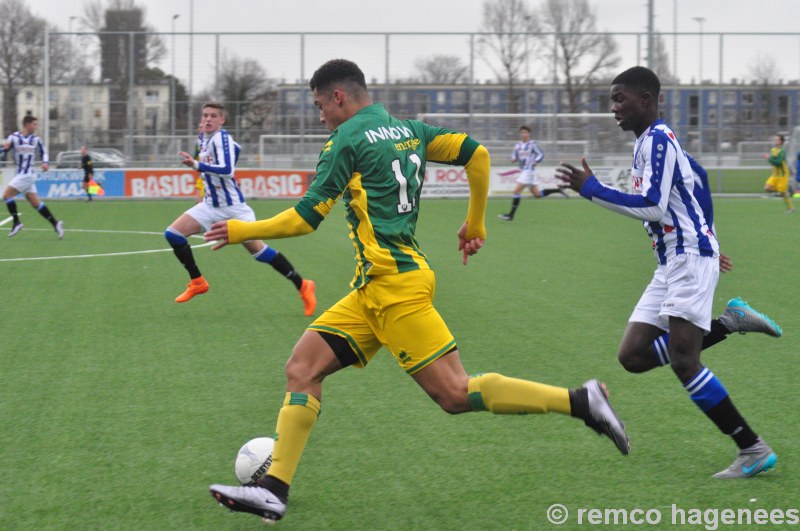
(433, 15)
(766, 17)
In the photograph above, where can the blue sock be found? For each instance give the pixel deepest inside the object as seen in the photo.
(266, 255)
(175, 238)
(707, 392)
(705, 389)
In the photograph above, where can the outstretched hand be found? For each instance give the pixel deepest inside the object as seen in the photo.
(218, 233)
(188, 160)
(573, 177)
(470, 246)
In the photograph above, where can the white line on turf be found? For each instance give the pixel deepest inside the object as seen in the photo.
(122, 253)
(9, 218)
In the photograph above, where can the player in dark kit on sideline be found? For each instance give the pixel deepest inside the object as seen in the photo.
(216, 161)
(375, 164)
(88, 171)
(25, 144)
(680, 295)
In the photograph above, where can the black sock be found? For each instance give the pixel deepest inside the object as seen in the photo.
(275, 486)
(12, 209)
(285, 268)
(579, 402)
(514, 205)
(718, 333)
(730, 422)
(45, 212)
(549, 191)
(186, 257)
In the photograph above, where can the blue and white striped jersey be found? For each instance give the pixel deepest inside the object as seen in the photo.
(664, 198)
(702, 192)
(25, 149)
(527, 154)
(217, 162)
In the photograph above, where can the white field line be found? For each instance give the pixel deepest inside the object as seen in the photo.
(122, 253)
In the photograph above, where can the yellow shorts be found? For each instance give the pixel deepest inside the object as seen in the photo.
(779, 184)
(395, 311)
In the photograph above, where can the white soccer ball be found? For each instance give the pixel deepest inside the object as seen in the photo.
(253, 460)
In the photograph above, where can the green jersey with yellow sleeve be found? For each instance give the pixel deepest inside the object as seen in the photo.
(375, 163)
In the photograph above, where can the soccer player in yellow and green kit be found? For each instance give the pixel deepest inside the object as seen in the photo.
(778, 180)
(375, 163)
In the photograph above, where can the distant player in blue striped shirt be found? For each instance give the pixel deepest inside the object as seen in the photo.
(223, 200)
(679, 297)
(26, 145)
(527, 155)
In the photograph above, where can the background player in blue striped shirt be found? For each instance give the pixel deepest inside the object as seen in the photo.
(223, 200)
(26, 144)
(527, 154)
(679, 297)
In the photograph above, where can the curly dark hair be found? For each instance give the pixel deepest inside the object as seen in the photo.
(639, 78)
(338, 71)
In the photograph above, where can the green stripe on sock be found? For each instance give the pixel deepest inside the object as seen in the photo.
(298, 399)
(476, 401)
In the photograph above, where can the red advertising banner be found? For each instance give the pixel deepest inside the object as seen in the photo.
(273, 184)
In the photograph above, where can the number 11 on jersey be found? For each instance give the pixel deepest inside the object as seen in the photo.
(404, 205)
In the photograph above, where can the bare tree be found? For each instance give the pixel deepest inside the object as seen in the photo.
(764, 68)
(441, 69)
(507, 27)
(248, 93)
(66, 63)
(21, 54)
(582, 55)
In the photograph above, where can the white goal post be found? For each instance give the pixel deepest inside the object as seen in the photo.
(558, 135)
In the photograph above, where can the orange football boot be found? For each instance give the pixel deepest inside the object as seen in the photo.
(197, 286)
(309, 296)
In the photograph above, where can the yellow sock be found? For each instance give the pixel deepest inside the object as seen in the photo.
(788, 201)
(295, 420)
(503, 395)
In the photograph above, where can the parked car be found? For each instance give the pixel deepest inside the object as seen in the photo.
(101, 158)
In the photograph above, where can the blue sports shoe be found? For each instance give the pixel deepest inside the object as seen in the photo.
(741, 317)
(750, 461)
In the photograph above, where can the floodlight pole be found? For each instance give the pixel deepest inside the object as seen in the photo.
(172, 81)
(700, 21)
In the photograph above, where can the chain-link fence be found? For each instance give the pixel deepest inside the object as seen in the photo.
(140, 93)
